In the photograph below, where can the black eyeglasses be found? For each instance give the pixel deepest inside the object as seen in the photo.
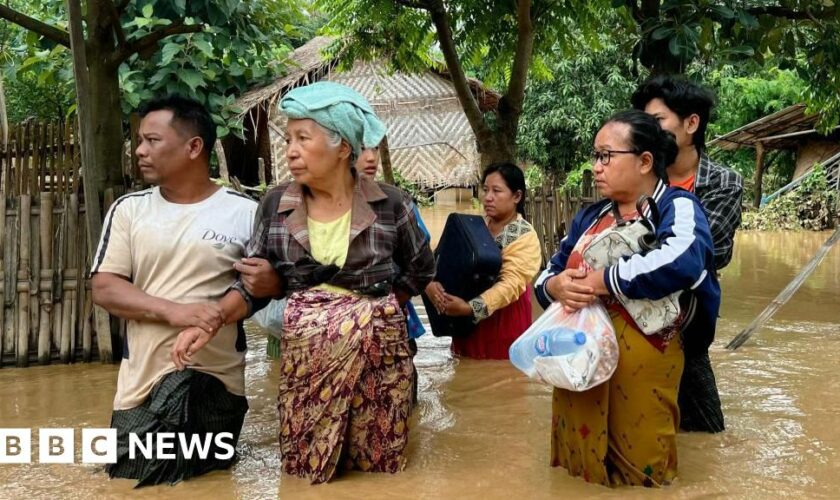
(604, 156)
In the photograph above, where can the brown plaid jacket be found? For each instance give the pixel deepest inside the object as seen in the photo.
(387, 247)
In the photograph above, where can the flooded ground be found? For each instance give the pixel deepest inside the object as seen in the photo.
(482, 430)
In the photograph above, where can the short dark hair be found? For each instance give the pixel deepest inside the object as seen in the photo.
(683, 97)
(186, 113)
(647, 135)
(513, 177)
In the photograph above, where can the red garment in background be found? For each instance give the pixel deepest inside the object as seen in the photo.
(493, 336)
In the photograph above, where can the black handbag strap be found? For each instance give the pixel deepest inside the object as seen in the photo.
(650, 222)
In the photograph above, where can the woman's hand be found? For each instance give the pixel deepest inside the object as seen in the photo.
(259, 278)
(595, 281)
(456, 306)
(570, 289)
(437, 295)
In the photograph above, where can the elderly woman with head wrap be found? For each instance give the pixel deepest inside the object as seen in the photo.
(351, 254)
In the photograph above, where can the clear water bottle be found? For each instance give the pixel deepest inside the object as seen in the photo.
(555, 342)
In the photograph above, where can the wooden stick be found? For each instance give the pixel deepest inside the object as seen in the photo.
(785, 294)
(261, 171)
(10, 270)
(34, 270)
(46, 278)
(102, 322)
(58, 276)
(82, 291)
(22, 352)
(86, 330)
(70, 281)
(3, 290)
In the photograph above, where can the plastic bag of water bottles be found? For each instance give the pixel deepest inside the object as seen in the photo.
(270, 317)
(574, 351)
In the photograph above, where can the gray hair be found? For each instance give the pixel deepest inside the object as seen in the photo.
(334, 140)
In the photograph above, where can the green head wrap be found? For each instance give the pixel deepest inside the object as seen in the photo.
(338, 108)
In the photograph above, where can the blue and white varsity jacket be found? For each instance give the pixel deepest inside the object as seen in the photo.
(685, 261)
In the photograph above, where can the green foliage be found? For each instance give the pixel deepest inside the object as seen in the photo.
(413, 190)
(562, 115)
(534, 177)
(742, 99)
(241, 44)
(793, 34)
(37, 74)
(485, 31)
(812, 206)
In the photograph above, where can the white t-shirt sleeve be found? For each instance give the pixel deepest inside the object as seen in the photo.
(113, 254)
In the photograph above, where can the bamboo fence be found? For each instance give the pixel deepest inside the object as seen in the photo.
(550, 211)
(47, 312)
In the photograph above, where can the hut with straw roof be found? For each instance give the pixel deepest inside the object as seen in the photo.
(429, 138)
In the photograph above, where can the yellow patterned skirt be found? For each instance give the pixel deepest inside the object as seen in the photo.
(623, 432)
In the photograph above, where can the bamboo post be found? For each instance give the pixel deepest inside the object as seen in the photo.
(70, 280)
(10, 270)
(58, 275)
(52, 157)
(261, 171)
(46, 278)
(22, 352)
(2, 268)
(35, 269)
(759, 174)
(102, 322)
(87, 341)
(82, 292)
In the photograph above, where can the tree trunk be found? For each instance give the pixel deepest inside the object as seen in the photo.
(385, 155)
(94, 170)
(759, 174)
(4, 120)
(106, 125)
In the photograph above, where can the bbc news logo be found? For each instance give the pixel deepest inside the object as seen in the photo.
(99, 446)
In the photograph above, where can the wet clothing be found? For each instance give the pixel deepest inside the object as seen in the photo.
(187, 402)
(493, 336)
(345, 386)
(700, 408)
(183, 253)
(623, 432)
(346, 376)
(503, 312)
(720, 190)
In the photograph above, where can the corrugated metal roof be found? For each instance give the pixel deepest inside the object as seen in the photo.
(790, 120)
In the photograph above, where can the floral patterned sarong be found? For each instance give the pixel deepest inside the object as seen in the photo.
(345, 384)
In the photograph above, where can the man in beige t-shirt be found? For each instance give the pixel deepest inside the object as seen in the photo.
(165, 263)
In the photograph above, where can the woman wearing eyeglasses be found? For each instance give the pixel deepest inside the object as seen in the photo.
(623, 432)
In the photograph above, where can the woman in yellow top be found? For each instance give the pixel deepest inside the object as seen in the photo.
(351, 254)
(502, 312)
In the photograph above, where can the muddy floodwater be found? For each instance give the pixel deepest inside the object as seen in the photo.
(482, 430)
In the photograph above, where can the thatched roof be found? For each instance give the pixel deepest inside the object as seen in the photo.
(305, 62)
(308, 64)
